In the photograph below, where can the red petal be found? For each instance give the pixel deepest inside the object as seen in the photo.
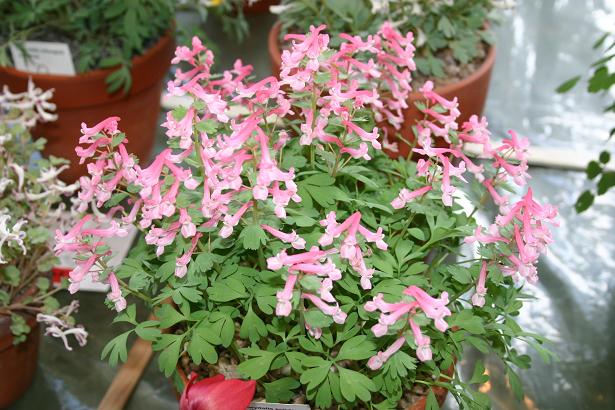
(215, 393)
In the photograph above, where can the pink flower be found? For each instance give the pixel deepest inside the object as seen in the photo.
(230, 221)
(434, 308)
(423, 343)
(284, 305)
(282, 259)
(492, 236)
(338, 315)
(478, 299)
(376, 362)
(188, 228)
(406, 196)
(295, 240)
(116, 293)
(216, 393)
(181, 264)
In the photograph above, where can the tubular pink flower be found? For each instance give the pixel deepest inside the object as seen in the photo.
(79, 272)
(326, 285)
(423, 350)
(108, 125)
(230, 221)
(406, 196)
(181, 264)
(338, 315)
(375, 362)
(434, 308)
(64, 241)
(371, 137)
(295, 240)
(116, 293)
(282, 259)
(356, 153)
(485, 238)
(284, 297)
(478, 299)
(111, 231)
(188, 227)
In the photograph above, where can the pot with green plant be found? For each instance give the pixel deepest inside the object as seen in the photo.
(120, 53)
(453, 39)
(287, 259)
(602, 81)
(30, 201)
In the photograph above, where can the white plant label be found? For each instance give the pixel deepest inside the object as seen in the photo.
(277, 406)
(44, 57)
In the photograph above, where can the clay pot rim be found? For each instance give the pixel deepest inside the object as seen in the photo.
(486, 65)
(138, 62)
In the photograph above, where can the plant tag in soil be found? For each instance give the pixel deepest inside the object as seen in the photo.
(43, 57)
(277, 406)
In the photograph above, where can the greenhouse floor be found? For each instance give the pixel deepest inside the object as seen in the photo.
(544, 43)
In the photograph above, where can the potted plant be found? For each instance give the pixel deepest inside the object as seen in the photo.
(121, 52)
(30, 201)
(453, 39)
(283, 246)
(601, 81)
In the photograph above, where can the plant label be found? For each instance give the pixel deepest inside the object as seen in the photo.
(43, 57)
(277, 406)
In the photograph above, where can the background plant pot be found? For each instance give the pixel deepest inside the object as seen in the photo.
(83, 98)
(471, 92)
(261, 6)
(420, 404)
(17, 363)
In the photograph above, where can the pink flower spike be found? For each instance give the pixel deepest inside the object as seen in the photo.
(295, 240)
(478, 299)
(376, 362)
(434, 308)
(284, 297)
(423, 349)
(338, 315)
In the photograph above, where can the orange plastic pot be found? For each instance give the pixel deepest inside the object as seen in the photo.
(471, 92)
(17, 362)
(84, 98)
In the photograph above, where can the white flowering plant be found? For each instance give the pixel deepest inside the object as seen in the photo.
(447, 32)
(280, 243)
(31, 201)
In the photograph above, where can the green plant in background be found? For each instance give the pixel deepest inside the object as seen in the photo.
(601, 81)
(30, 203)
(446, 32)
(104, 33)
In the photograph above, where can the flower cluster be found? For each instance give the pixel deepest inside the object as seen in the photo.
(286, 238)
(31, 200)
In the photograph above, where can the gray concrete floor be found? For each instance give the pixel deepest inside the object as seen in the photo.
(541, 44)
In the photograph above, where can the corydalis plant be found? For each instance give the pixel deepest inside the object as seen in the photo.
(294, 249)
(30, 201)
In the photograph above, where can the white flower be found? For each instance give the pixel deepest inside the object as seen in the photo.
(13, 235)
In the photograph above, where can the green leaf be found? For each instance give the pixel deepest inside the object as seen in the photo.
(466, 320)
(253, 237)
(11, 275)
(584, 201)
(444, 25)
(225, 290)
(168, 316)
(432, 402)
(314, 376)
(252, 327)
(148, 330)
(199, 347)
(355, 385)
(179, 113)
(315, 318)
(605, 157)
(116, 349)
(478, 375)
(593, 169)
(568, 85)
(258, 366)
(515, 383)
(281, 390)
(168, 358)
(357, 348)
(607, 181)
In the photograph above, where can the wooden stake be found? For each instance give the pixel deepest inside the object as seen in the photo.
(127, 377)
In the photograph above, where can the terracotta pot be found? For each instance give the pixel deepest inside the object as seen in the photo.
(471, 91)
(420, 404)
(83, 98)
(17, 363)
(261, 6)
